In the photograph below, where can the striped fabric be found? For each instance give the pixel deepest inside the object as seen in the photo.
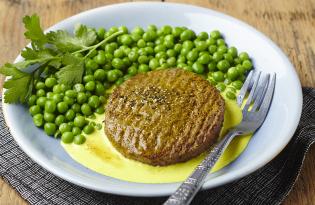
(268, 185)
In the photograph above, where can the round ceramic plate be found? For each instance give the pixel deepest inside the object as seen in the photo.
(272, 137)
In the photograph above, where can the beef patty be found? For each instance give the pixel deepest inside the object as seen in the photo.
(164, 117)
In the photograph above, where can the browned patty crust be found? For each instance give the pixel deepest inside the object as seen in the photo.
(163, 117)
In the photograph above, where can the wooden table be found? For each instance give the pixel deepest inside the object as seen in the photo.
(290, 23)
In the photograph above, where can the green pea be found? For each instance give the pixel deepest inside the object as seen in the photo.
(230, 95)
(218, 76)
(141, 43)
(210, 41)
(203, 36)
(38, 120)
(126, 39)
(221, 87)
(65, 127)
(232, 73)
(132, 70)
(99, 88)
(113, 75)
(181, 59)
(88, 78)
(100, 58)
(71, 93)
(228, 57)
(41, 101)
(240, 69)
(181, 65)
(217, 56)
(149, 50)
(149, 35)
(40, 85)
(215, 34)
(91, 64)
(171, 61)
(86, 109)
(119, 53)
(94, 101)
(243, 56)
(88, 129)
(138, 30)
(50, 128)
(233, 51)
(187, 35)
(60, 119)
(79, 121)
(79, 139)
(212, 49)
(100, 33)
(100, 74)
(220, 42)
(34, 109)
(90, 86)
(222, 49)
(201, 45)
(70, 114)
(178, 47)
(62, 107)
(223, 65)
(160, 55)
(204, 59)
(68, 100)
(49, 117)
(188, 44)
(136, 37)
(100, 110)
(192, 55)
(143, 68)
(81, 98)
(133, 56)
(166, 29)
(176, 31)
(76, 131)
(50, 106)
(237, 61)
(159, 48)
(212, 66)
(50, 82)
(143, 59)
(247, 64)
(32, 100)
(237, 84)
(49, 95)
(67, 137)
(40, 93)
(198, 68)
(117, 63)
(79, 87)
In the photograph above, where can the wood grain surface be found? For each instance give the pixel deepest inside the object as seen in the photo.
(290, 23)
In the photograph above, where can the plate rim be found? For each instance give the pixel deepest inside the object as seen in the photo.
(228, 177)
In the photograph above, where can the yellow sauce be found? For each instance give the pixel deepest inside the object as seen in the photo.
(99, 155)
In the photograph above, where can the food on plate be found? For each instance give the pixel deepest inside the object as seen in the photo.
(164, 117)
(65, 80)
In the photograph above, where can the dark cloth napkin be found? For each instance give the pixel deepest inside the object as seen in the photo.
(269, 185)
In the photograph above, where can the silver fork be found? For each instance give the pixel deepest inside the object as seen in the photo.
(259, 88)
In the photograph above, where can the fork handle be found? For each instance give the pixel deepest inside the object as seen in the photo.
(189, 188)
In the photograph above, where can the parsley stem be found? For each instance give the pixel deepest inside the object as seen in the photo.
(92, 48)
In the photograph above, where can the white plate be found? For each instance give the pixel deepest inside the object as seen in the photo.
(272, 137)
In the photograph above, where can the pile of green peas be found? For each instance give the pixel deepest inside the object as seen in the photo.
(63, 111)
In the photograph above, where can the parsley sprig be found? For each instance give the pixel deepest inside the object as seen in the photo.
(54, 52)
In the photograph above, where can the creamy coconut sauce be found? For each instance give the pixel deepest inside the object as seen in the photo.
(99, 155)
